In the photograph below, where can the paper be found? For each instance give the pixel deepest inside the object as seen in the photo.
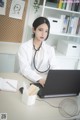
(3, 4)
(8, 85)
(17, 8)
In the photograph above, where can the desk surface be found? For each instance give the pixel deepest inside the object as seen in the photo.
(11, 103)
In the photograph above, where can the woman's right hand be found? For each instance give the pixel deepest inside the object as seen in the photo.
(42, 82)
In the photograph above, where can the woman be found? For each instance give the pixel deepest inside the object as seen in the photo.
(36, 58)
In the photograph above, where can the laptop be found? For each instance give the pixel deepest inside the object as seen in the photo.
(60, 83)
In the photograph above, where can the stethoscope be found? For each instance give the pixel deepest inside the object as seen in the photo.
(36, 50)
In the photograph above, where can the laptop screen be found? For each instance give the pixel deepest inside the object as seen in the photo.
(61, 83)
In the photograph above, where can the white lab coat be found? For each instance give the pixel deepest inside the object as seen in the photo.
(44, 57)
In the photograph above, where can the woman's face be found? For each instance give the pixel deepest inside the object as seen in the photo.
(41, 32)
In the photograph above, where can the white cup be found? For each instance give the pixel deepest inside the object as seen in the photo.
(29, 99)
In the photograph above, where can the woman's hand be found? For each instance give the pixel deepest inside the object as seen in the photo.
(42, 82)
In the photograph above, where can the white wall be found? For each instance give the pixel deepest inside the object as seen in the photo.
(7, 56)
(7, 62)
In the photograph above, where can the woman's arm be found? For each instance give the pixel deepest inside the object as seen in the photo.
(25, 67)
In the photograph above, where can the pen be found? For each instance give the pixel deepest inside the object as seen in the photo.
(10, 84)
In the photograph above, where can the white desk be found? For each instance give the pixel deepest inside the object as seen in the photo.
(11, 104)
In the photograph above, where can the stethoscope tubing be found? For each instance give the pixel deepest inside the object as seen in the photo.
(35, 63)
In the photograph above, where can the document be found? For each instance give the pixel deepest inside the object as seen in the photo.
(8, 84)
